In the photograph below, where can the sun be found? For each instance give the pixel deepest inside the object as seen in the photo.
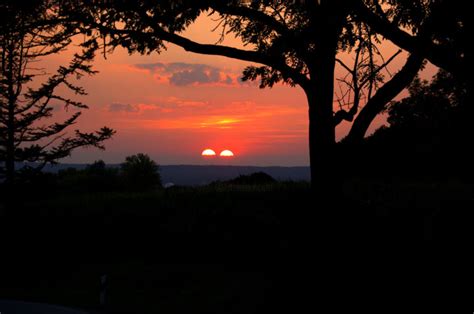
(226, 153)
(208, 153)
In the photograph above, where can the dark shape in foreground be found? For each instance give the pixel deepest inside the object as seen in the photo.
(257, 178)
(19, 307)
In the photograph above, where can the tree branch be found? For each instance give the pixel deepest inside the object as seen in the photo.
(209, 49)
(357, 87)
(380, 68)
(439, 56)
(252, 14)
(344, 66)
(218, 50)
(252, 56)
(383, 96)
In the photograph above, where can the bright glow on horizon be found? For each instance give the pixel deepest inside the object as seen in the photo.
(208, 153)
(226, 153)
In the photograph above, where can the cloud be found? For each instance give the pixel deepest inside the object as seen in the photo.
(228, 80)
(116, 107)
(168, 106)
(176, 102)
(152, 67)
(186, 74)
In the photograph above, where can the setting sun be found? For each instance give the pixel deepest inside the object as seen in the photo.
(226, 153)
(208, 153)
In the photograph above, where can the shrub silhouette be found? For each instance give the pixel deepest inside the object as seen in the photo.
(140, 172)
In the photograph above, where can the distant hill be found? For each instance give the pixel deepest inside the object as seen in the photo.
(201, 175)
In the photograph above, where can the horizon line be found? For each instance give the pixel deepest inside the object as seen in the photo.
(192, 165)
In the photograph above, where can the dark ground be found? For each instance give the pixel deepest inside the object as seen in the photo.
(239, 249)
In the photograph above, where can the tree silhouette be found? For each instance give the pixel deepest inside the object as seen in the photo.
(28, 130)
(434, 112)
(437, 29)
(425, 130)
(140, 172)
(294, 42)
(437, 104)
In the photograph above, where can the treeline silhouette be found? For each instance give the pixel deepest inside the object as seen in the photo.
(138, 173)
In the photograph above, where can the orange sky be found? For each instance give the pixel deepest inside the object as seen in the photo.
(174, 105)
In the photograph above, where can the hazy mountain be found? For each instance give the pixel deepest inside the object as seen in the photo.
(199, 175)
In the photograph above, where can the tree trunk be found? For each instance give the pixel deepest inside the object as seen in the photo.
(322, 136)
(316, 226)
(10, 140)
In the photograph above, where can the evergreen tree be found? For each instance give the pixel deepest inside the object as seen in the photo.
(29, 131)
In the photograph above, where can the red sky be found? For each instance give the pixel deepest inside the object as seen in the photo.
(175, 104)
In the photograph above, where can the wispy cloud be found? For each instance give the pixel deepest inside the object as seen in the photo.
(222, 122)
(166, 105)
(186, 74)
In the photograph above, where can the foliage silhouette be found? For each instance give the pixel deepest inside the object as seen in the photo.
(137, 174)
(426, 134)
(97, 167)
(295, 43)
(28, 131)
(140, 172)
(438, 30)
(95, 178)
(438, 104)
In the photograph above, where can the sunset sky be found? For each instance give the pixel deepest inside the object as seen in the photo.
(174, 105)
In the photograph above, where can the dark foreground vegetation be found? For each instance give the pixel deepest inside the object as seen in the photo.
(387, 218)
(231, 246)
